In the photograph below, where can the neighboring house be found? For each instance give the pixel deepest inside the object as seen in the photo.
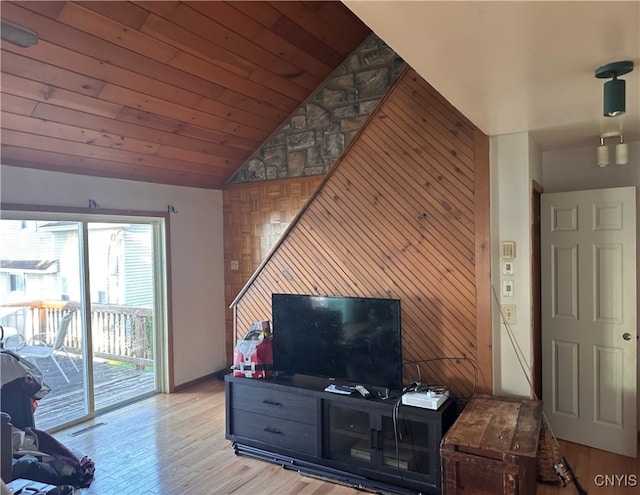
(121, 264)
(41, 263)
(26, 279)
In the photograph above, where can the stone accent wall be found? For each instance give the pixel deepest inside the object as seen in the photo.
(316, 134)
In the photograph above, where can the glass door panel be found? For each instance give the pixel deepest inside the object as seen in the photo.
(349, 434)
(406, 445)
(41, 307)
(121, 267)
(78, 300)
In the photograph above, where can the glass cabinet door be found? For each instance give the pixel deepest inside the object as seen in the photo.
(405, 445)
(348, 434)
(381, 441)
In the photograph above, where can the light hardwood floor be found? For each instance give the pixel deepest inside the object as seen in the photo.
(174, 445)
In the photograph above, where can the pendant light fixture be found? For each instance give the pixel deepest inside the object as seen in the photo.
(614, 90)
(621, 150)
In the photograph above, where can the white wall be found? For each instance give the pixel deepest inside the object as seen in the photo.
(515, 160)
(576, 169)
(196, 244)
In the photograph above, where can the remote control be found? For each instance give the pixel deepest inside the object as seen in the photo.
(344, 388)
(339, 389)
(363, 391)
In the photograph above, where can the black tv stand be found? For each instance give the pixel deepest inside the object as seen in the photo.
(372, 444)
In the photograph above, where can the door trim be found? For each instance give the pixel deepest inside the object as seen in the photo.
(536, 289)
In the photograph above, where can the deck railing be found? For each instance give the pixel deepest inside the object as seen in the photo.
(119, 333)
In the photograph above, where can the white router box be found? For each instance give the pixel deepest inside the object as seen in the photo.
(426, 399)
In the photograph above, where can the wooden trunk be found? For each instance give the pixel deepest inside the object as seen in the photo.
(492, 448)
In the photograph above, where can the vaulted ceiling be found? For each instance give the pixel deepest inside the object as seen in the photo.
(183, 92)
(170, 92)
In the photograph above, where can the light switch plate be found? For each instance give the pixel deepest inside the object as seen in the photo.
(507, 267)
(507, 288)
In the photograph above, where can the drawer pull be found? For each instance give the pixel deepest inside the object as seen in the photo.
(271, 402)
(269, 429)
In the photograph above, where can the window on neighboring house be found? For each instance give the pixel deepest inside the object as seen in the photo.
(16, 282)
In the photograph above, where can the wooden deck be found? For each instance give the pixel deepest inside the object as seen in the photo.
(114, 383)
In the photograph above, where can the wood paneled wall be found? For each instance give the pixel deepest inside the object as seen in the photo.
(173, 92)
(255, 216)
(404, 214)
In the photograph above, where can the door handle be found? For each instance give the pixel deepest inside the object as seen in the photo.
(374, 439)
(626, 336)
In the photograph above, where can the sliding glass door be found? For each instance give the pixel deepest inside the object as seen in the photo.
(41, 297)
(89, 292)
(122, 308)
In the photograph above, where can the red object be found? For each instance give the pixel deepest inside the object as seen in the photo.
(253, 358)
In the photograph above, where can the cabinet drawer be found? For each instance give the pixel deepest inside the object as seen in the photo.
(281, 404)
(274, 431)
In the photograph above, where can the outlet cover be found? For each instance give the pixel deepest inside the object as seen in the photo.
(508, 250)
(509, 312)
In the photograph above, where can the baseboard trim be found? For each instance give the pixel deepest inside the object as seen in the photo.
(216, 375)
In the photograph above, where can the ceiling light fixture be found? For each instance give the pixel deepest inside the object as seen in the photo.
(17, 34)
(622, 150)
(614, 90)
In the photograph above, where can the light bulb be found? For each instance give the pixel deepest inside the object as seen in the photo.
(622, 153)
(603, 154)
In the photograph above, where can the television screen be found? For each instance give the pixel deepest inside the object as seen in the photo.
(352, 339)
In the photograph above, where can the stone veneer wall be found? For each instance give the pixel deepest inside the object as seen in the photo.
(316, 134)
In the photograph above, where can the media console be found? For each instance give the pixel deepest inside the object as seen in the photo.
(373, 444)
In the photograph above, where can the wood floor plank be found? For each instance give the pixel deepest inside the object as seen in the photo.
(173, 444)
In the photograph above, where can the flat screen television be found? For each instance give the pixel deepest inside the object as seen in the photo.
(349, 339)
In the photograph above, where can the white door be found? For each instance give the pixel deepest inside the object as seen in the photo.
(588, 246)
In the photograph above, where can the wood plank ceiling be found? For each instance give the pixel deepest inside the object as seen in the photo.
(169, 92)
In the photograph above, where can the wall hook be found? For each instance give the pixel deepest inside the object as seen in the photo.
(172, 209)
(93, 204)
